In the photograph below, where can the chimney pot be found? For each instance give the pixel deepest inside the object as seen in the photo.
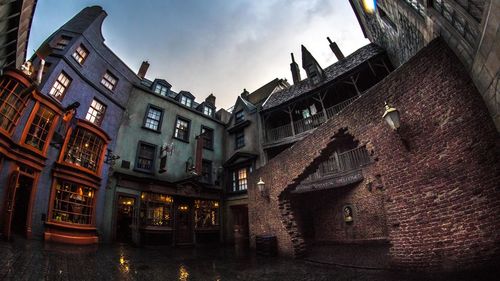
(143, 69)
(294, 67)
(335, 49)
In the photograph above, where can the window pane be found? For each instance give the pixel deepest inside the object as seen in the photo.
(60, 86)
(153, 118)
(96, 112)
(73, 203)
(84, 149)
(39, 128)
(182, 129)
(156, 209)
(13, 98)
(145, 157)
(109, 81)
(80, 54)
(206, 214)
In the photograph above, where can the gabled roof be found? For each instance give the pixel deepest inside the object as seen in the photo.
(163, 82)
(332, 72)
(187, 94)
(263, 92)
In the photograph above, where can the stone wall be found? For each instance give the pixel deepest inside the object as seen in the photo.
(442, 199)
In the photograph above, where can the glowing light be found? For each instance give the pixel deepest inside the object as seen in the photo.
(183, 273)
(86, 145)
(216, 204)
(122, 261)
(369, 6)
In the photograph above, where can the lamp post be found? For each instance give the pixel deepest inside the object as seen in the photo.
(391, 116)
(262, 187)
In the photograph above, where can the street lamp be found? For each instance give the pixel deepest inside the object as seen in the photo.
(262, 187)
(391, 116)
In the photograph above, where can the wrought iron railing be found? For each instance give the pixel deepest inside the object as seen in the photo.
(306, 124)
(340, 163)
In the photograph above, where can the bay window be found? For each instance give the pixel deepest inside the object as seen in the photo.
(39, 129)
(84, 149)
(73, 203)
(13, 99)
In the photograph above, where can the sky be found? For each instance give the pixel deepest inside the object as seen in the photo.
(213, 46)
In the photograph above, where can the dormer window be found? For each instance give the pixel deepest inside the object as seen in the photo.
(239, 116)
(208, 111)
(161, 89)
(186, 101)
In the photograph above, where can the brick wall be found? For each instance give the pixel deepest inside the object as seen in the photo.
(442, 199)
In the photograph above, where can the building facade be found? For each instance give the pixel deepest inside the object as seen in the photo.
(166, 186)
(470, 28)
(83, 89)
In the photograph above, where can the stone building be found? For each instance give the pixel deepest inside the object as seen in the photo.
(65, 123)
(166, 186)
(243, 154)
(427, 192)
(469, 27)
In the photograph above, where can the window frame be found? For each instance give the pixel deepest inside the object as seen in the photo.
(105, 81)
(186, 98)
(77, 55)
(66, 87)
(161, 86)
(145, 119)
(59, 46)
(49, 130)
(188, 128)
(239, 116)
(103, 113)
(204, 163)
(210, 109)
(153, 159)
(237, 135)
(65, 156)
(75, 197)
(211, 146)
(236, 180)
(21, 97)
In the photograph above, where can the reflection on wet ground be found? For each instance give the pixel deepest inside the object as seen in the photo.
(35, 260)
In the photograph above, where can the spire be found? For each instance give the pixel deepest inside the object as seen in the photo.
(311, 66)
(294, 67)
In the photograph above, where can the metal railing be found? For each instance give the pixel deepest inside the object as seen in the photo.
(339, 163)
(306, 124)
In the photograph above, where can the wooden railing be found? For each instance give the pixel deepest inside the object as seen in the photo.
(339, 163)
(306, 124)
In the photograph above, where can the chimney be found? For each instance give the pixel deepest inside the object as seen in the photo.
(211, 99)
(143, 69)
(335, 49)
(294, 67)
(245, 94)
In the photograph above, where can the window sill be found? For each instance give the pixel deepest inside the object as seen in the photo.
(179, 139)
(151, 130)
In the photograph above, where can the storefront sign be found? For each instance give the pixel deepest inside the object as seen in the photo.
(330, 182)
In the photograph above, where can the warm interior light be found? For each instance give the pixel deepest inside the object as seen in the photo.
(261, 185)
(369, 6)
(391, 116)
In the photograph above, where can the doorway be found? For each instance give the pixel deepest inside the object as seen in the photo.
(124, 218)
(21, 205)
(183, 228)
(240, 224)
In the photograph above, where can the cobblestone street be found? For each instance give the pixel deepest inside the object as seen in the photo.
(34, 260)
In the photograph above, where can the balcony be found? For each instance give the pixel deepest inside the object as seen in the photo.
(340, 169)
(292, 129)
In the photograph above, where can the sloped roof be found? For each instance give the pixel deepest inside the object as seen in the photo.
(332, 72)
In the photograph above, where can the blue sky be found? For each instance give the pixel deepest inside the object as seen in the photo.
(213, 46)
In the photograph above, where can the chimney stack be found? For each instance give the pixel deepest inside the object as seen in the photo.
(143, 69)
(211, 99)
(245, 94)
(294, 67)
(335, 49)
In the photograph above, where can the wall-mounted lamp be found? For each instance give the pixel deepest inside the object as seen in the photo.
(262, 188)
(391, 116)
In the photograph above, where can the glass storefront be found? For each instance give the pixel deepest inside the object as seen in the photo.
(156, 209)
(73, 203)
(206, 214)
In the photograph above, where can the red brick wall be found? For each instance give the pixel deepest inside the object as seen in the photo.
(442, 197)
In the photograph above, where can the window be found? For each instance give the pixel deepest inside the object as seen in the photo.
(73, 203)
(39, 128)
(160, 89)
(239, 116)
(60, 86)
(383, 15)
(206, 214)
(13, 98)
(186, 101)
(181, 129)
(156, 209)
(239, 139)
(80, 54)
(145, 157)
(96, 112)
(208, 137)
(62, 42)
(109, 80)
(153, 118)
(207, 111)
(240, 182)
(206, 171)
(84, 149)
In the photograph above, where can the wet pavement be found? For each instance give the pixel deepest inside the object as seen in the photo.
(35, 260)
